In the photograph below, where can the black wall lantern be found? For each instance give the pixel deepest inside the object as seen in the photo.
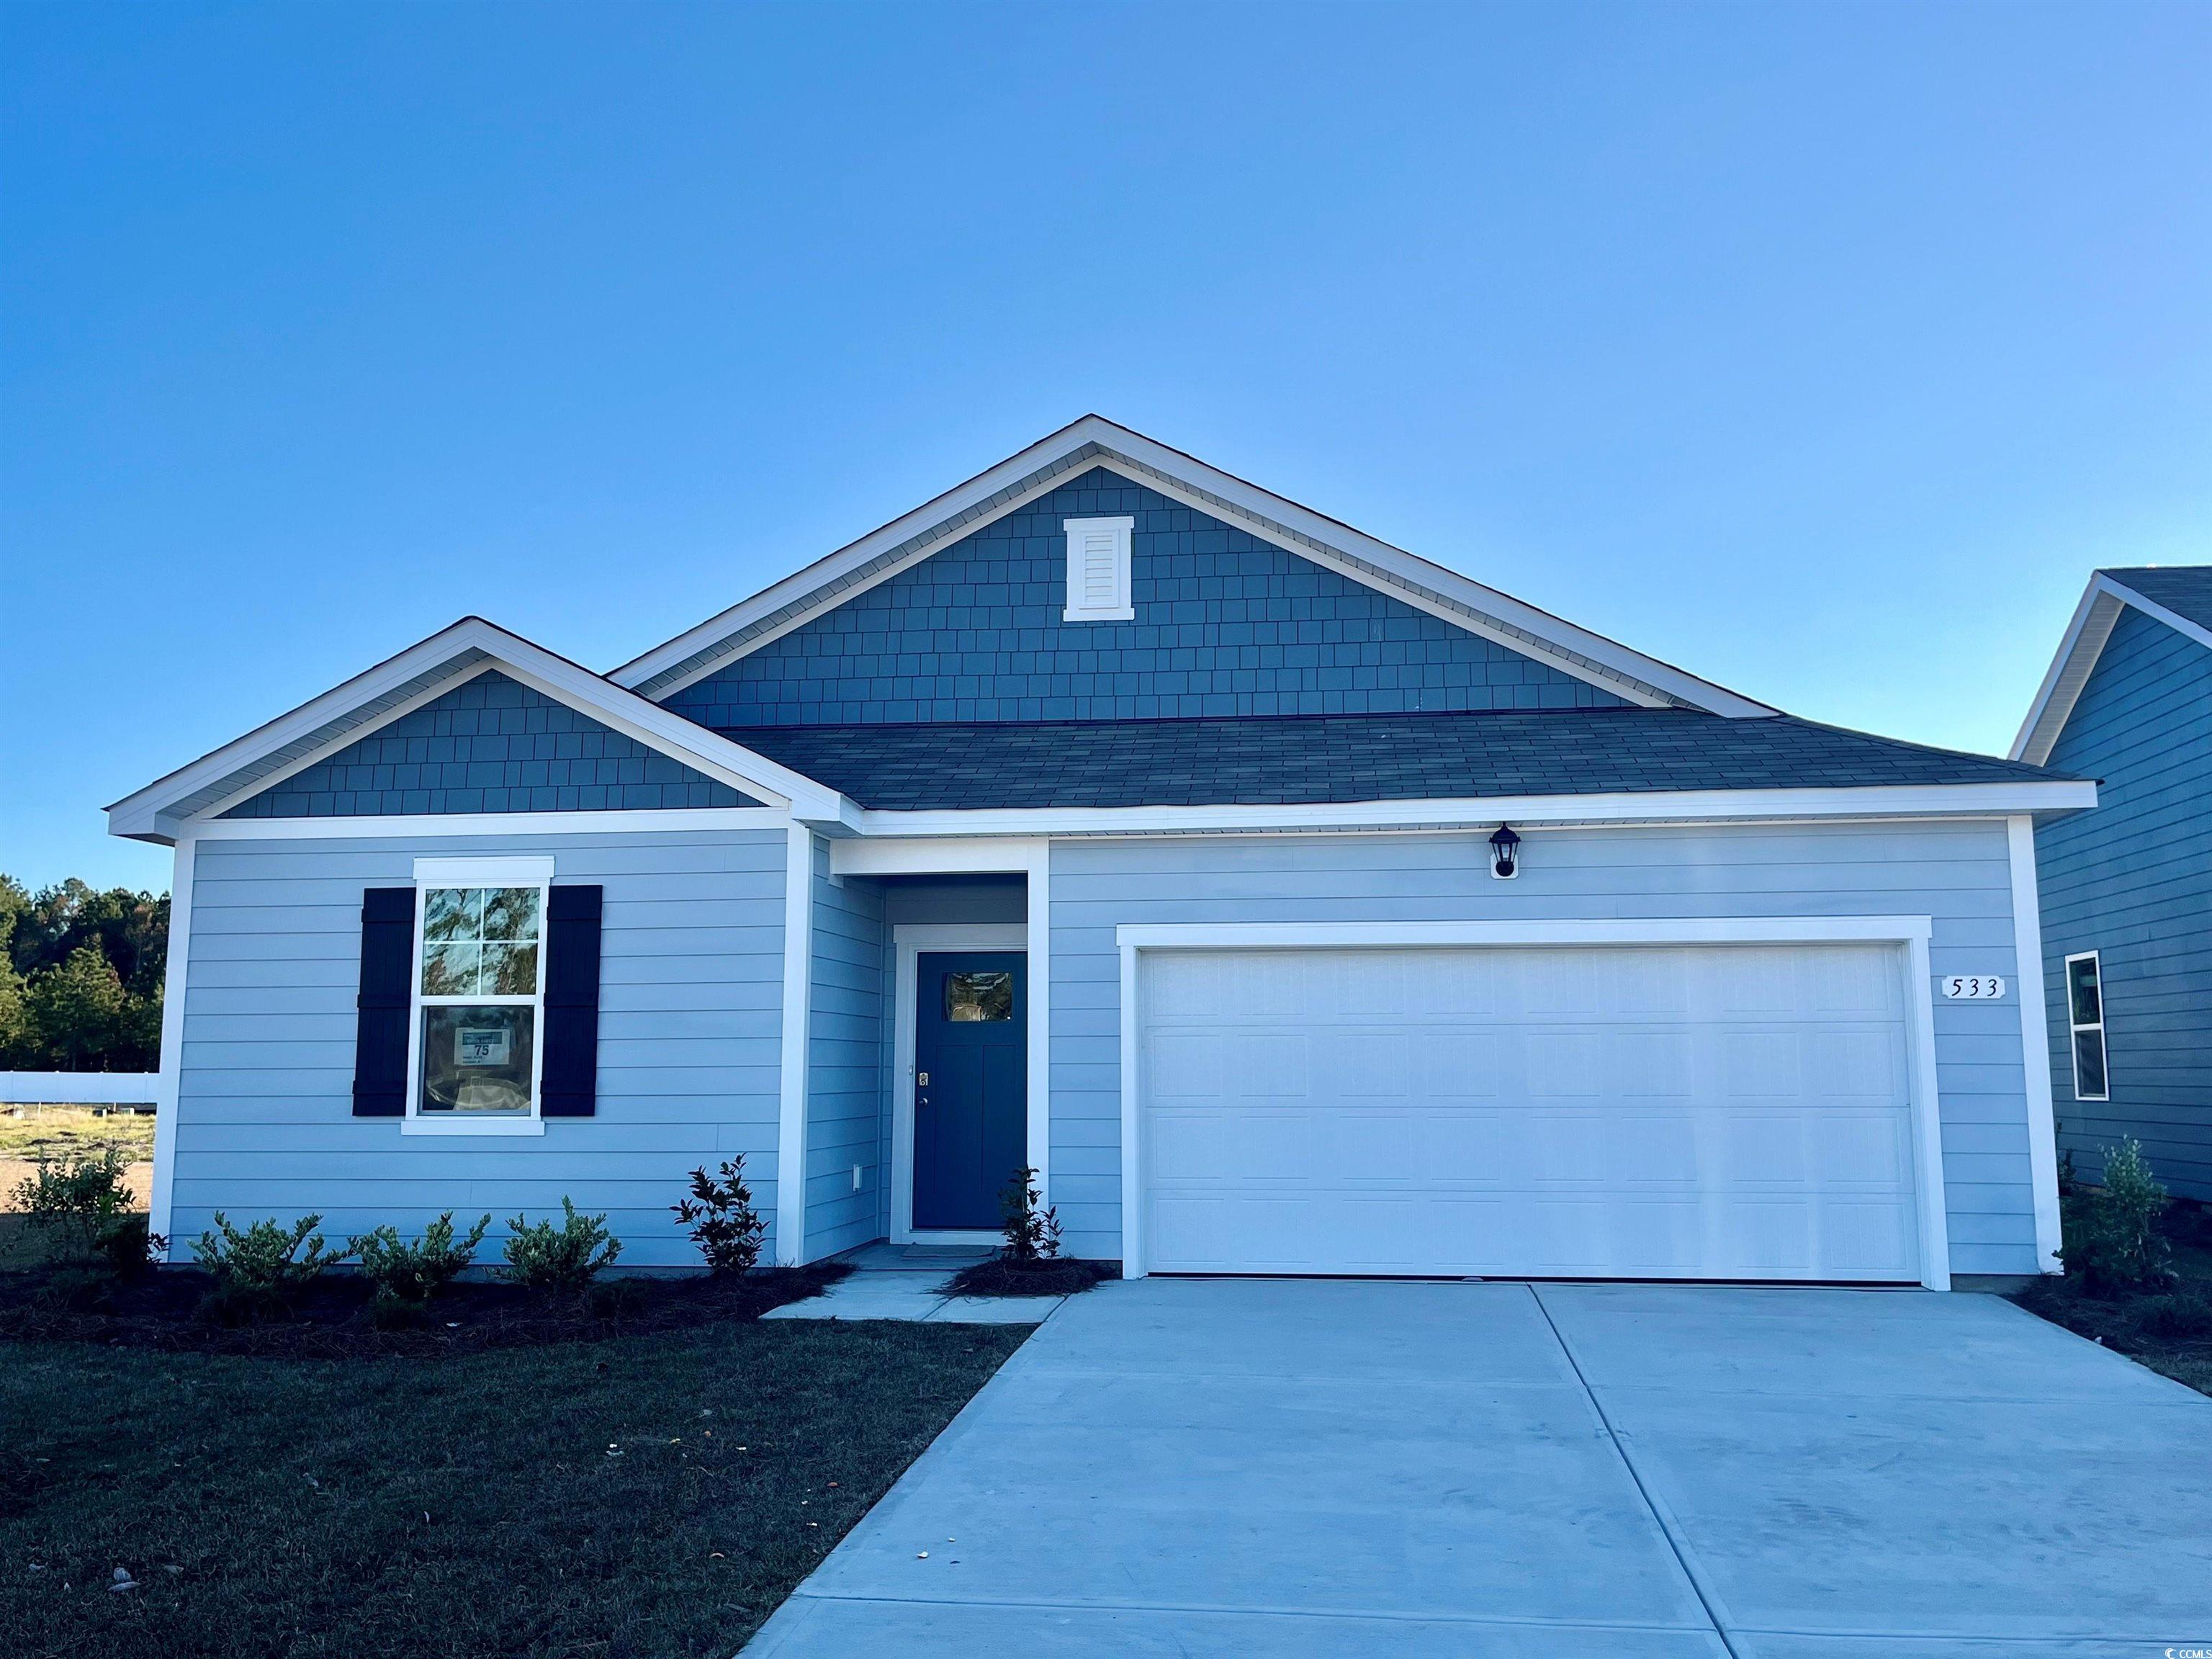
(1505, 854)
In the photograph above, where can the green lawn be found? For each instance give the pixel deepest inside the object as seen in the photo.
(652, 1496)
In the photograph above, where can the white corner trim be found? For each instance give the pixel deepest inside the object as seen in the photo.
(518, 868)
(2035, 1039)
(1098, 582)
(1909, 932)
(159, 1205)
(1094, 441)
(910, 940)
(792, 1079)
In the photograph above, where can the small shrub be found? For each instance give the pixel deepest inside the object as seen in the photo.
(543, 1257)
(2178, 1316)
(1032, 1234)
(407, 1276)
(261, 1271)
(724, 1223)
(75, 1200)
(2111, 1232)
(127, 1247)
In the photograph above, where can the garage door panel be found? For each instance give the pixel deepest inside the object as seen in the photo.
(1707, 1111)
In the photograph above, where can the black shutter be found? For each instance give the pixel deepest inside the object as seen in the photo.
(570, 1084)
(387, 974)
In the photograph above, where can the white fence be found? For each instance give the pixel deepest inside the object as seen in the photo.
(78, 1088)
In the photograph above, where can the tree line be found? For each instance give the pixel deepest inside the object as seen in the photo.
(80, 978)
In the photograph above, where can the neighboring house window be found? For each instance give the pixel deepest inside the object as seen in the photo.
(2085, 1012)
(479, 990)
(1098, 570)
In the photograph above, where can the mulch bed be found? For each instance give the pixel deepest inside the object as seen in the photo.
(2167, 1328)
(330, 1321)
(1062, 1276)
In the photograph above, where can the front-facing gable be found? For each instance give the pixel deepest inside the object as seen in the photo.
(2175, 600)
(490, 744)
(1094, 444)
(1225, 623)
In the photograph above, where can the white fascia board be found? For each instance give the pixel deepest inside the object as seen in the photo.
(417, 826)
(1713, 806)
(2076, 658)
(468, 646)
(1003, 488)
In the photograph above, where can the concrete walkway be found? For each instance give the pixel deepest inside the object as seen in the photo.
(1315, 1469)
(907, 1283)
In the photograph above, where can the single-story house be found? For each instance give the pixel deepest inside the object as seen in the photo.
(1289, 903)
(2127, 890)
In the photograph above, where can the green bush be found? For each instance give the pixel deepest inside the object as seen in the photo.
(2178, 1316)
(1032, 1234)
(2111, 1232)
(544, 1257)
(724, 1224)
(261, 1271)
(80, 1201)
(407, 1276)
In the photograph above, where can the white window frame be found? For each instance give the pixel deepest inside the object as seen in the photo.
(2075, 1028)
(536, 872)
(1121, 609)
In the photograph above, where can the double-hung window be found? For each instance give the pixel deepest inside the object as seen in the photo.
(2084, 1013)
(479, 994)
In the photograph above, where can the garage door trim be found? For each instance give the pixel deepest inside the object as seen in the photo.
(1911, 933)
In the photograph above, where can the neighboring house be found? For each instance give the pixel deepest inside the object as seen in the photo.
(2127, 890)
(1114, 817)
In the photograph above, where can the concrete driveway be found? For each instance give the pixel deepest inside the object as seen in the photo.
(1325, 1468)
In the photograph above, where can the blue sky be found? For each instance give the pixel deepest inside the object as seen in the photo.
(1821, 351)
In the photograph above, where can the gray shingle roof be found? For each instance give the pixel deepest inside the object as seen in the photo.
(1334, 758)
(2184, 589)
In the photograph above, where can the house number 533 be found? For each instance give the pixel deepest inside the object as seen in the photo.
(1974, 987)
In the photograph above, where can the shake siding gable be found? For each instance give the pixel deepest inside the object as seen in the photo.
(690, 1025)
(2132, 881)
(491, 745)
(1958, 873)
(1225, 623)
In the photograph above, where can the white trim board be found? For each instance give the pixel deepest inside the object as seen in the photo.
(2080, 647)
(795, 1056)
(2035, 1039)
(1094, 440)
(1654, 806)
(416, 826)
(160, 1202)
(910, 940)
(372, 700)
(1909, 934)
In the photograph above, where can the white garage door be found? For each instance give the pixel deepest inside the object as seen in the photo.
(1706, 1112)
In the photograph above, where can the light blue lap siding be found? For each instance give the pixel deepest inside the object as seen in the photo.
(491, 746)
(691, 996)
(848, 1035)
(1225, 624)
(1958, 873)
(2132, 880)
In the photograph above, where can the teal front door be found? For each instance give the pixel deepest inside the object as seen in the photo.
(970, 1085)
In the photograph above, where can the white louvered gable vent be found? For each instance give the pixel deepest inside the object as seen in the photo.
(1098, 569)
